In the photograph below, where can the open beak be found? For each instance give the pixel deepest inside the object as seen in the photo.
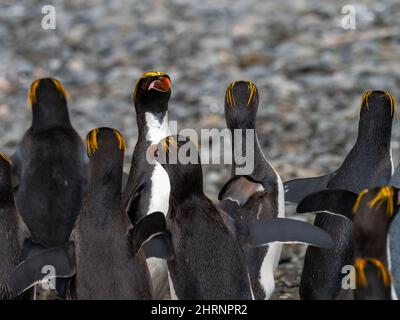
(163, 84)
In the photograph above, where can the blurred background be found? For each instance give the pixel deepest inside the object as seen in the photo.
(309, 70)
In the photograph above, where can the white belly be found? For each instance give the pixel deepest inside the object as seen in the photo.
(160, 189)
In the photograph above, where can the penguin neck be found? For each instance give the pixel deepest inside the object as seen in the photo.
(104, 183)
(246, 148)
(49, 116)
(153, 127)
(6, 194)
(183, 191)
(374, 137)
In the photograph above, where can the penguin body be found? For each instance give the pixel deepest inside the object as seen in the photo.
(104, 257)
(370, 213)
(106, 265)
(147, 189)
(241, 103)
(13, 232)
(50, 167)
(209, 262)
(367, 165)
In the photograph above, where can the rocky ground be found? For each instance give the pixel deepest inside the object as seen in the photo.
(309, 71)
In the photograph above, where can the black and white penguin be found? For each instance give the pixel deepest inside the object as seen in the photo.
(371, 213)
(147, 189)
(208, 260)
(104, 256)
(368, 164)
(49, 166)
(241, 104)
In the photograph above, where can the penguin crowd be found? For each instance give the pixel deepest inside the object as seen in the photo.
(74, 226)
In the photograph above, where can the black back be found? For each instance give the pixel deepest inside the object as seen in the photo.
(241, 104)
(50, 165)
(367, 165)
(208, 260)
(107, 267)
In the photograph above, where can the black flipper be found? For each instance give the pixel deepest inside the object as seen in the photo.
(31, 248)
(337, 202)
(241, 188)
(159, 247)
(30, 272)
(264, 231)
(297, 189)
(148, 227)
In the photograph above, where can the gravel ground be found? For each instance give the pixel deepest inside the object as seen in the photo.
(309, 71)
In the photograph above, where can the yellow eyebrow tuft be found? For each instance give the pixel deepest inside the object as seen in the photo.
(166, 143)
(252, 92)
(385, 195)
(360, 270)
(230, 99)
(91, 142)
(32, 97)
(32, 93)
(358, 201)
(121, 141)
(63, 92)
(366, 95)
(3, 155)
(145, 75)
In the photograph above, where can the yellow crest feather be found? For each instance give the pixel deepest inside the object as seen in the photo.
(358, 201)
(360, 271)
(32, 97)
(145, 75)
(385, 195)
(3, 155)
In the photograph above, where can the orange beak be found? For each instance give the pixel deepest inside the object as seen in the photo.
(163, 84)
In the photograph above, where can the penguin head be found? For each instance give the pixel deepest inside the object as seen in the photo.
(241, 104)
(376, 114)
(105, 149)
(373, 212)
(179, 156)
(152, 92)
(48, 100)
(373, 279)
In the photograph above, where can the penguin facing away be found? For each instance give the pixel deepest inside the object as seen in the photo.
(218, 269)
(104, 257)
(49, 166)
(368, 164)
(371, 213)
(13, 232)
(241, 103)
(147, 188)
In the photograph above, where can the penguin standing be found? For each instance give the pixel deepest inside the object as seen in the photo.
(13, 232)
(372, 212)
(49, 166)
(104, 257)
(208, 260)
(147, 189)
(241, 103)
(368, 164)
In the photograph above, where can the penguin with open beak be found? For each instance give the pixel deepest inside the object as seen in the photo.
(241, 104)
(147, 189)
(368, 164)
(371, 213)
(208, 261)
